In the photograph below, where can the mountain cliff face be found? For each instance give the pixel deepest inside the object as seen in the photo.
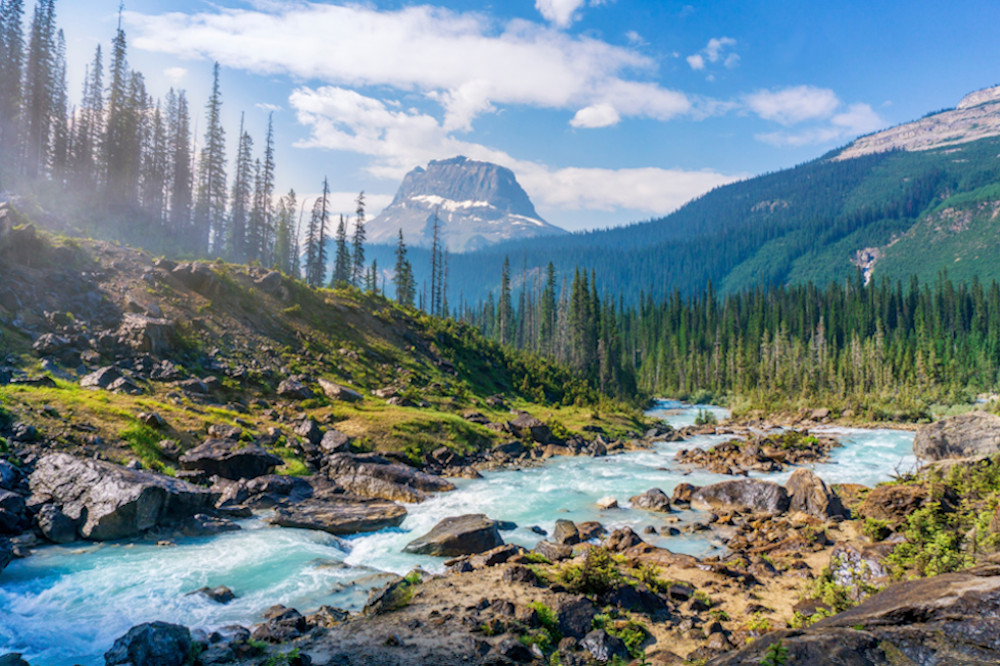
(976, 117)
(477, 204)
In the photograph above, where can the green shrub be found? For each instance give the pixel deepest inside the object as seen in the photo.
(598, 573)
(705, 417)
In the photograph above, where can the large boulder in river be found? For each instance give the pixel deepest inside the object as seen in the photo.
(342, 515)
(230, 459)
(151, 644)
(458, 535)
(972, 435)
(744, 495)
(809, 494)
(947, 619)
(108, 501)
(371, 475)
(653, 499)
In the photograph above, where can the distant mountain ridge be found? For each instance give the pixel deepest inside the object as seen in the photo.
(477, 203)
(977, 116)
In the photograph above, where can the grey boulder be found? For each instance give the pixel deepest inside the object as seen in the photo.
(111, 502)
(972, 435)
(230, 459)
(151, 644)
(743, 495)
(458, 535)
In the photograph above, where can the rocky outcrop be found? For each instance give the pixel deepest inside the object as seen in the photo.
(344, 515)
(13, 513)
(151, 644)
(55, 525)
(948, 619)
(893, 503)
(458, 535)
(372, 475)
(293, 389)
(743, 495)
(146, 335)
(107, 501)
(653, 499)
(809, 494)
(529, 427)
(972, 435)
(230, 459)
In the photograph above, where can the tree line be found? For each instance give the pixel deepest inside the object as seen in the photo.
(885, 348)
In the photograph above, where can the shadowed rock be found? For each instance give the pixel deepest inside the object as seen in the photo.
(230, 459)
(809, 494)
(151, 644)
(653, 499)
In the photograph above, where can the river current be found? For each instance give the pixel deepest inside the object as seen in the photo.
(67, 604)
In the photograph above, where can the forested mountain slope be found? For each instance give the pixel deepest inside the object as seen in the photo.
(910, 209)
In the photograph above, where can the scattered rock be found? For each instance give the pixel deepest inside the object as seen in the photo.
(458, 535)
(220, 594)
(293, 389)
(607, 503)
(6, 552)
(603, 647)
(13, 513)
(338, 392)
(146, 335)
(100, 378)
(653, 499)
(334, 441)
(230, 460)
(683, 493)
(565, 533)
(575, 615)
(809, 494)
(151, 644)
(528, 427)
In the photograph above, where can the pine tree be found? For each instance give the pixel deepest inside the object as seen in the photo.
(210, 208)
(60, 140)
(403, 275)
(156, 169)
(342, 258)
(264, 198)
(240, 238)
(11, 73)
(435, 304)
(316, 238)
(181, 168)
(285, 245)
(39, 88)
(547, 314)
(505, 308)
(118, 158)
(89, 129)
(358, 243)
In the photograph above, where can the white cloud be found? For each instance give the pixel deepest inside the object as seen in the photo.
(855, 120)
(559, 12)
(635, 39)
(264, 106)
(175, 75)
(397, 140)
(715, 47)
(714, 52)
(793, 105)
(466, 62)
(598, 115)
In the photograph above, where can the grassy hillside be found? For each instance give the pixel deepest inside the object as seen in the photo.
(242, 331)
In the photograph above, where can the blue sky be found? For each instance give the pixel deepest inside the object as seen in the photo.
(608, 111)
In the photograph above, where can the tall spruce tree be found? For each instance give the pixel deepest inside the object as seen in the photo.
(342, 257)
(182, 169)
(264, 198)
(39, 88)
(505, 307)
(240, 238)
(11, 75)
(403, 275)
(89, 129)
(358, 243)
(210, 207)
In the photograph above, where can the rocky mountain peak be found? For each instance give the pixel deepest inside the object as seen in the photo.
(477, 204)
(977, 116)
